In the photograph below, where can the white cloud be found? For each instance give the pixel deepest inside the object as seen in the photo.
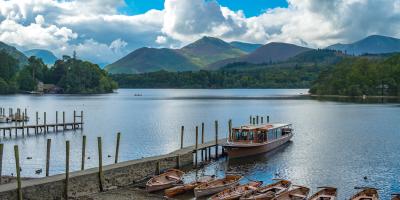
(91, 26)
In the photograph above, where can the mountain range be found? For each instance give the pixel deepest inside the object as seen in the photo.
(47, 56)
(14, 53)
(374, 44)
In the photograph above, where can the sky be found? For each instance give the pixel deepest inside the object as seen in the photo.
(103, 31)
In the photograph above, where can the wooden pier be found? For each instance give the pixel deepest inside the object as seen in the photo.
(22, 127)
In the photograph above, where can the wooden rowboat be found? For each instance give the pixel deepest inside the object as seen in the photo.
(366, 194)
(237, 192)
(216, 186)
(326, 193)
(297, 193)
(269, 191)
(395, 196)
(165, 180)
(180, 189)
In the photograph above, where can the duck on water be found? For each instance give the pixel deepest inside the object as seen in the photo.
(250, 140)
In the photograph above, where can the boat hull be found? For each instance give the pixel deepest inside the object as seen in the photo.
(243, 150)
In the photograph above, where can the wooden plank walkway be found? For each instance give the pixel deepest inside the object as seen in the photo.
(40, 128)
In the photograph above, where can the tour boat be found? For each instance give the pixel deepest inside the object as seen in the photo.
(165, 180)
(296, 193)
(255, 139)
(216, 186)
(237, 191)
(326, 193)
(366, 194)
(180, 189)
(269, 191)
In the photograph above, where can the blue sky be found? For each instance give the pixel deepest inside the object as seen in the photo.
(250, 7)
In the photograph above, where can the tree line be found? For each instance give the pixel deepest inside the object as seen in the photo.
(72, 75)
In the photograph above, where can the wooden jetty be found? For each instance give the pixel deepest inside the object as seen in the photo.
(45, 127)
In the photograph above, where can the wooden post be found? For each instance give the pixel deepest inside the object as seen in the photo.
(182, 132)
(25, 112)
(251, 118)
(18, 168)
(230, 129)
(56, 121)
(23, 124)
(100, 164)
(202, 140)
(37, 122)
(268, 119)
(48, 156)
(262, 120)
(45, 126)
(158, 168)
(63, 120)
(254, 120)
(1, 162)
(83, 152)
(117, 147)
(66, 168)
(81, 119)
(73, 125)
(216, 139)
(257, 120)
(196, 146)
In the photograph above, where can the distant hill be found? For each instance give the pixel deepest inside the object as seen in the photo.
(14, 53)
(208, 50)
(374, 44)
(269, 53)
(150, 59)
(246, 47)
(47, 56)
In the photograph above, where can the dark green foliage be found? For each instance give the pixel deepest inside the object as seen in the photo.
(8, 69)
(361, 76)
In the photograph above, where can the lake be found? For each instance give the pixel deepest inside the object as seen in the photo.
(335, 143)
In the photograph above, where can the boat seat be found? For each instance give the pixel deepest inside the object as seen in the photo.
(298, 196)
(172, 177)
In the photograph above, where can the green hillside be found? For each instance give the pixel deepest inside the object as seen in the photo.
(150, 59)
(22, 59)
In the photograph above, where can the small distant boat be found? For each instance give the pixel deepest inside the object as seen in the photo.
(250, 140)
(237, 192)
(180, 189)
(269, 191)
(366, 194)
(165, 180)
(297, 193)
(395, 196)
(326, 193)
(216, 186)
(3, 119)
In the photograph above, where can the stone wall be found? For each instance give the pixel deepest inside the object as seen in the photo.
(87, 181)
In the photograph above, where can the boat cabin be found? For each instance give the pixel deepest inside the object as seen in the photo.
(259, 133)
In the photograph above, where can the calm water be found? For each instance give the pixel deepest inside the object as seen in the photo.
(335, 143)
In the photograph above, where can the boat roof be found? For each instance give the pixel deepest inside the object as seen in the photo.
(262, 126)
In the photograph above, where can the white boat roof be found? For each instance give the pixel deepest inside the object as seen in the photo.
(263, 126)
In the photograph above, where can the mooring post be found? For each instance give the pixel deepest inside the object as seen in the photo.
(63, 120)
(257, 120)
(268, 119)
(254, 120)
(158, 168)
(178, 161)
(251, 118)
(48, 156)
(45, 122)
(83, 152)
(66, 168)
(202, 141)
(216, 139)
(81, 119)
(18, 169)
(25, 112)
(262, 120)
(101, 180)
(73, 125)
(182, 132)
(1, 162)
(230, 129)
(196, 146)
(56, 121)
(37, 122)
(23, 124)
(117, 147)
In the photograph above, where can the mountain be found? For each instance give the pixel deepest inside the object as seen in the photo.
(47, 56)
(374, 44)
(271, 52)
(246, 47)
(14, 53)
(150, 59)
(208, 50)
